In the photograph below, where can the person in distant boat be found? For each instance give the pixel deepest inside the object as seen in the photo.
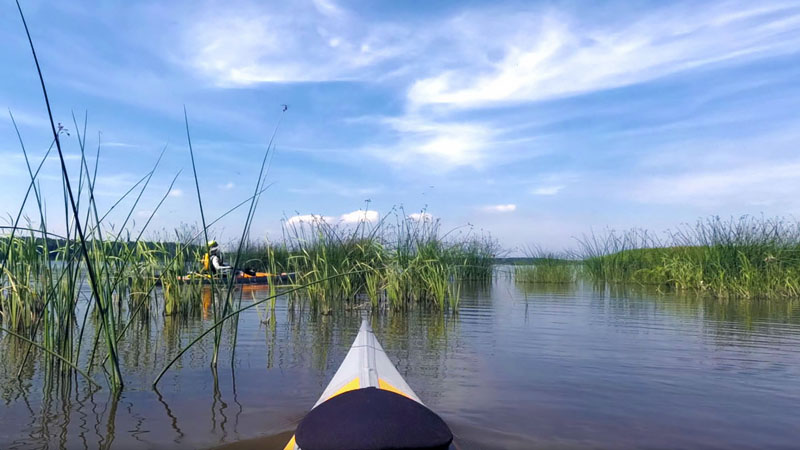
(213, 262)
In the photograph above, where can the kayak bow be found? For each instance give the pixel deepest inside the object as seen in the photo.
(369, 406)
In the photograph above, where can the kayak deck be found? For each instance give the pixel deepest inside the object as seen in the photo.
(365, 366)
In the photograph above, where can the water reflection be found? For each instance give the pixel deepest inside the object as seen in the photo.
(597, 366)
(173, 420)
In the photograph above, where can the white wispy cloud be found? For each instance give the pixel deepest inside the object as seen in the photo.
(13, 164)
(328, 8)
(556, 55)
(114, 185)
(292, 42)
(227, 186)
(510, 207)
(438, 146)
(533, 54)
(451, 73)
(750, 184)
(176, 193)
(474, 87)
(547, 190)
(327, 187)
(119, 144)
(25, 117)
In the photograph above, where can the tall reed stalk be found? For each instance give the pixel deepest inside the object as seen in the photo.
(748, 257)
(116, 375)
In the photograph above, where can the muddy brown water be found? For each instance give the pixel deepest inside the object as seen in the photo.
(518, 367)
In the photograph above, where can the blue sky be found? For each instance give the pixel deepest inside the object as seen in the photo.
(535, 121)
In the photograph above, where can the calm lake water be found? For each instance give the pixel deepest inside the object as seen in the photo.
(518, 367)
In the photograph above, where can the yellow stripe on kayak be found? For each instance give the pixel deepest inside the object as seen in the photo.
(388, 387)
(290, 445)
(354, 384)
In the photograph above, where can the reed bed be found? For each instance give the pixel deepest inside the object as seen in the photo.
(547, 270)
(44, 277)
(747, 257)
(124, 281)
(394, 265)
(542, 266)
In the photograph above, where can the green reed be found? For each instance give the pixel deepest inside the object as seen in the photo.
(546, 267)
(182, 297)
(748, 257)
(118, 281)
(546, 271)
(402, 263)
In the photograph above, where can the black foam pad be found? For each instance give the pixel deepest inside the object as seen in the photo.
(372, 419)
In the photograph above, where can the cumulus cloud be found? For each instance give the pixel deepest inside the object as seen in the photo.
(308, 219)
(359, 216)
(354, 217)
(510, 207)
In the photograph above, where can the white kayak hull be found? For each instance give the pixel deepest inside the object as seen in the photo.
(365, 366)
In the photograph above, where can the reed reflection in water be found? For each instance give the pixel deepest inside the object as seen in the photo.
(521, 365)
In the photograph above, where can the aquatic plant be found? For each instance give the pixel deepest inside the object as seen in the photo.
(402, 263)
(746, 257)
(123, 282)
(546, 267)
